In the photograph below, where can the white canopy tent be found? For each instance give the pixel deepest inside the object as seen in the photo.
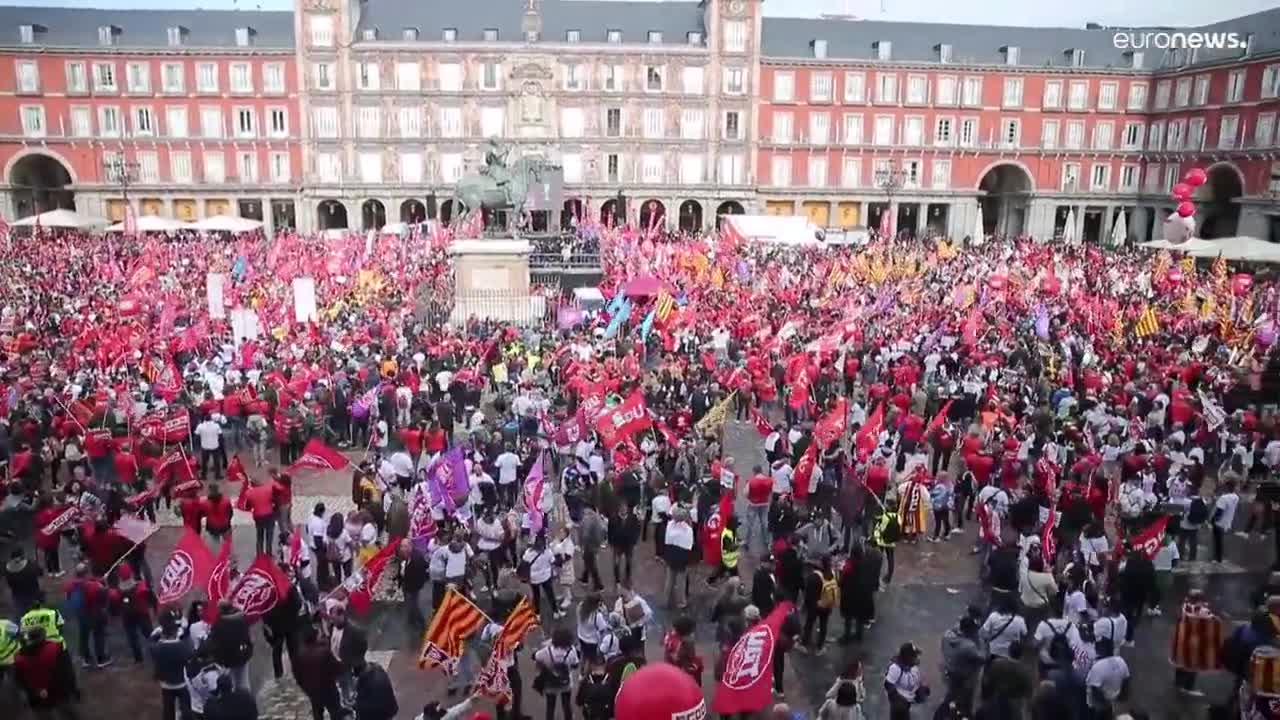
(151, 223)
(1069, 229)
(58, 219)
(1240, 248)
(226, 223)
(1187, 247)
(1120, 231)
(773, 229)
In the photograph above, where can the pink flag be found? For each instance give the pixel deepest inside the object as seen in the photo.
(533, 488)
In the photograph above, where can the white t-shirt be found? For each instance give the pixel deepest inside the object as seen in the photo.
(507, 463)
(1046, 630)
(1075, 606)
(1108, 674)
(679, 534)
(444, 378)
(209, 432)
(455, 563)
(1000, 631)
(1113, 628)
(782, 479)
(540, 565)
(1166, 556)
(905, 680)
(1227, 504)
(661, 506)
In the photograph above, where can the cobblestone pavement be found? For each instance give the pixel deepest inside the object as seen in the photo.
(931, 587)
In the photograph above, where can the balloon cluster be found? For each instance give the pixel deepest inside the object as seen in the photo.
(1181, 224)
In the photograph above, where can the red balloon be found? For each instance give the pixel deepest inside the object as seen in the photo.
(997, 281)
(1050, 285)
(1182, 191)
(659, 690)
(1241, 283)
(1195, 177)
(1186, 208)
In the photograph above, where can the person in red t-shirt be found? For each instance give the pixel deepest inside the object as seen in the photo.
(217, 513)
(134, 602)
(192, 510)
(48, 543)
(759, 494)
(90, 596)
(259, 500)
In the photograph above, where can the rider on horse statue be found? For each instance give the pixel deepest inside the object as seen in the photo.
(495, 163)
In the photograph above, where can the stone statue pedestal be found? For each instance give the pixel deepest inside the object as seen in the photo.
(491, 280)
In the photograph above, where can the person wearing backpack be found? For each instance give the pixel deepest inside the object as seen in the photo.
(884, 535)
(1055, 637)
(821, 596)
(1196, 516)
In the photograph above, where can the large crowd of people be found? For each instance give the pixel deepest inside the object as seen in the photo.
(1084, 418)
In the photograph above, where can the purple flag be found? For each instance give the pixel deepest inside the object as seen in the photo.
(1042, 323)
(533, 488)
(447, 478)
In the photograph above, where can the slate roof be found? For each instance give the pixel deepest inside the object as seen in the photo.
(593, 18)
(68, 27)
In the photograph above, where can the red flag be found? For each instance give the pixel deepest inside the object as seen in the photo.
(174, 466)
(832, 425)
(805, 469)
(318, 456)
(938, 419)
(219, 582)
(362, 583)
(1148, 541)
(746, 687)
(969, 334)
(259, 588)
(1048, 545)
(800, 389)
(762, 424)
(668, 435)
(236, 471)
(712, 529)
(165, 379)
(571, 430)
(66, 517)
(869, 434)
(624, 419)
(189, 566)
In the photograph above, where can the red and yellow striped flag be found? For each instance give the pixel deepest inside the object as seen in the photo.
(1147, 323)
(455, 621)
(522, 620)
(664, 305)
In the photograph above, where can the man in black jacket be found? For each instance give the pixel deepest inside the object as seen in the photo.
(230, 703)
(171, 652)
(280, 626)
(375, 698)
(624, 533)
(230, 644)
(413, 577)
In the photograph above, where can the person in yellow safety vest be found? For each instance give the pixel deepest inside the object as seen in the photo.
(44, 617)
(10, 643)
(728, 551)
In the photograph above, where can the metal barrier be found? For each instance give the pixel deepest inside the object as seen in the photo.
(503, 305)
(550, 260)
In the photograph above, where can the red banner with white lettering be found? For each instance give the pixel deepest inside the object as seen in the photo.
(318, 456)
(189, 566)
(833, 425)
(623, 420)
(1149, 540)
(712, 529)
(746, 686)
(259, 588)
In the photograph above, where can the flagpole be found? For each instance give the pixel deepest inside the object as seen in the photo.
(129, 552)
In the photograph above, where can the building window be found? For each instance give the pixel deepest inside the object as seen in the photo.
(490, 35)
(572, 123)
(818, 172)
(1107, 95)
(1012, 93)
(917, 90)
(28, 77)
(1228, 127)
(693, 38)
(207, 78)
(913, 130)
(246, 123)
(734, 81)
(690, 169)
(780, 171)
(211, 122)
(1128, 178)
(1195, 134)
(144, 124)
(1202, 90)
(572, 36)
(886, 88)
(571, 163)
(911, 174)
(1155, 139)
(1011, 55)
(1103, 133)
(26, 34)
(852, 129)
(651, 168)
(1174, 139)
(491, 76)
(655, 122)
(735, 36)
(369, 122)
(244, 36)
(732, 125)
(941, 176)
(180, 166)
(884, 130)
(615, 37)
(1270, 82)
(278, 119)
(1182, 95)
(1235, 86)
(328, 168)
(1078, 97)
(493, 121)
(613, 167)
(968, 132)
(321, 30)
(408, 77)
(819, 128)
(77, 79)
(368, 76)
(1100, 177)
(241, 80)
(851, 173)
(1133, 135)
(655, 37)
(175, 121)
(691, 121)
(1052, 95)
(944, 131)
(451, 122)
(1075, 135)
(104, 77)
(653, 78)
(820, 87)
(972, 92)
(280, 170)
(784, 87)
(451, 77)
(409, 34)
(172, 78)
(148, 167)
(106, 36)
(1070, 177)
(613, 78)
(613, 122)
(782, 128)
(1153, 177)
(946, 94)
(1049, 134)
(1010, 132)
(884, 50)
(573, 77)
(324, 122)
(33, 121)
(370, 167)
(855, 88)
(449, 35)
(1264, 131)
(1163, 89)
(109, 124)
(944, 53)
(1137, 96)
(693, 78)
(322, 76)
(1170, 177)
(409, 120)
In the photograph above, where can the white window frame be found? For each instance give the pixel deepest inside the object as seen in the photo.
(117, 127)
(735, 36)
(917, 90)
(1104, 134)
(1235, 86)
(271, 73)
(947, 139)
(171, 128)
(778, 84)
(1011, 93)
(852, 131)
(175, 88)
(886, 88)
(143, 87)
(1132, 185)
(941, 98)
(1105, 184)
(815, 131)
(780, 171)
(180, 168)
(940, 174)
(27, 76)
(77, 75)
(851, 172)
(818, 82)
(815, 178)
(971, 91)
(1137, 100)
(320, 30)
(1164, 93)
(140, 112)
(779, 138)
(1203, 86)
(245, 88)
(1103, 89)
(273, 112)
(1078, 95)
(242, 112)
(109, 83)
(855, 88)
(37, 129)
(878, 138)
(1070, 180)
(652, 71)
(1051, 102)
(1004, 141)
(1264, 130)
(274, 166)
(1226, 142)
(1050, 129)
(496, 84)
(203, 86)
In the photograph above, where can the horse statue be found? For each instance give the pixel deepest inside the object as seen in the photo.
(498, 186)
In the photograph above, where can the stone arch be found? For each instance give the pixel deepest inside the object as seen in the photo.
(653, 212)
(1217, 201)
(40, 181)
(332, 215)
(690, 216)
(1004, 189)
(413, 211)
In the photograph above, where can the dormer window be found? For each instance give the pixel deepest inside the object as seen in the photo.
(572, 36)
(1012, 54)
(369, 34)
(449, 35)
(819, 49)
(409, 34)
(884, 50)
(1076, 56)
(177, 36)
(491, 34)
(655, 37)
(27, 34)
(1135, 59)
(244, 36)
(944, 52)
(695, 38)
(107, 35)
(614, 36)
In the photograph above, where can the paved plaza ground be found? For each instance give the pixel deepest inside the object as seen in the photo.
(932, 586)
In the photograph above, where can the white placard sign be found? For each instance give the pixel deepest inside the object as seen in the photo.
(244, 325)
(213, 284)
(304, 299)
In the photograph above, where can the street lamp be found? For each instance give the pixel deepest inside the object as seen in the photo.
(122, 172)
(890, 180)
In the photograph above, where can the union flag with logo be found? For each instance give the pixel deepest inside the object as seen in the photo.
(624, 420)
